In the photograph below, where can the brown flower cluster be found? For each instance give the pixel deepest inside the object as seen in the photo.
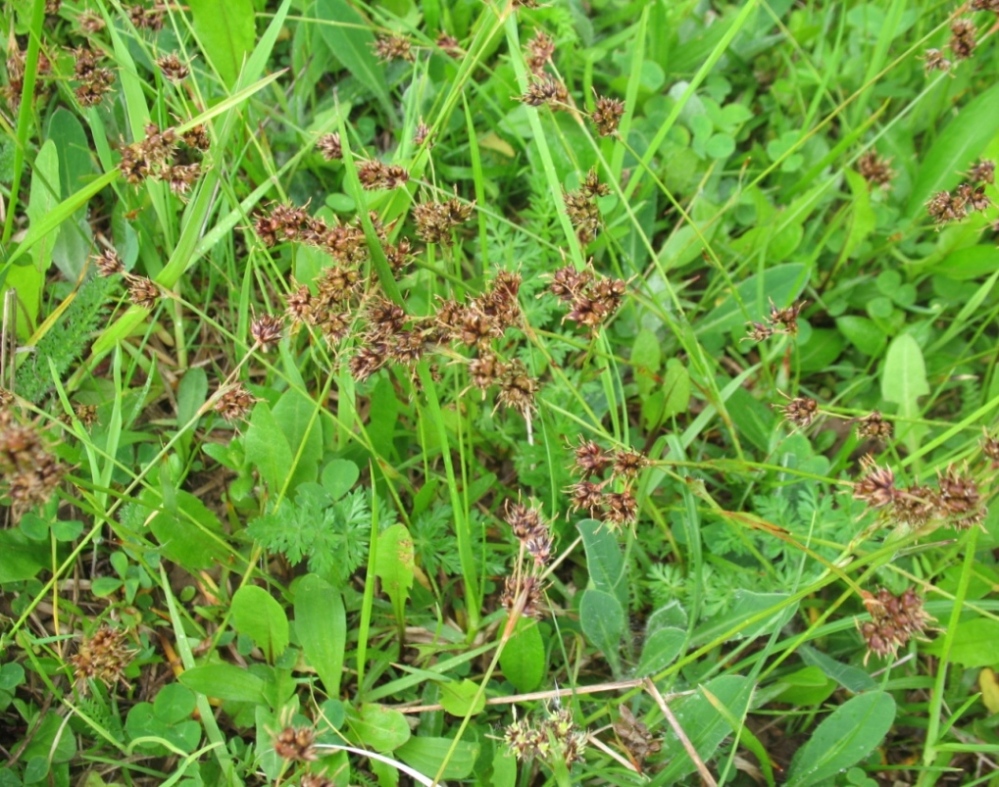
(235, 402)
(539, 52)
(449, 45)
(532, 530)
(377, 175)
(581, 207)
(800, 411)
(435, 220)
(29, 474)
(90, 22)
(780, 322)
(330, 146)
(874, 427)
(392, 47)
(523, 595)
(607, 114)
(296, 744)
(172, 67)
(948, 206)
(15, 73)
(594, 299)
(985, 5)
(146, 17)
(990, 448)
(547, 90)
(165, 156)
(934, 60)
(963, 38)
(95, 81)
(108, 262)
(894, 621)
(103, 656)
(612, 499)
(956, 502)
(554, 737)
(875, 170)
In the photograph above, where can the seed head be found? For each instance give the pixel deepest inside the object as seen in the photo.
(621, 508)
(235, 403)
(984, 171)
(590, 459)
(539, 52)
(877, 487)
(526, 590)
(197, 138)
(944, 207)
(172, 67)
(108, 262)
(800, 411)
(875, 170)
(963, 38)
(935, 61)
(587, 496)
(960, 500)
(517, 387)
(546, 91)
(389, 48)
(143, 292)
(607, 114)
(628, 464)
(875, 427)
(266, 331)
(103, 656)
(296, 744)
(449, 45)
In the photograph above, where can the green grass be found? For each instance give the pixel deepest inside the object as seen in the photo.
(346, 537)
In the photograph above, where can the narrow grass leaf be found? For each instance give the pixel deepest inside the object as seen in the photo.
(845, 737)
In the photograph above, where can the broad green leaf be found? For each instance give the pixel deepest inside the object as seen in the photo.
(807, 686)
(174, 703)
(377, 727)
(845, 737)
(523, 658)
(76, 166)
(189, 532)
(904, 373)
(256, 613)
(226, 31)
(321, 625)
(20, 557)
(970, 262)
(704, 725)
(955, 149)
(660, 650)
(395, 565)
(339, 477)
(676, 386)
(29, 280)
(973, 644)
(225, 682)
(849, 677)
(603, 621)
(427, 755)
(821, 349)
(604, 559)
(459, 698)
(297, 416)
(267, 448)
(348, 36)
(862, 333)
